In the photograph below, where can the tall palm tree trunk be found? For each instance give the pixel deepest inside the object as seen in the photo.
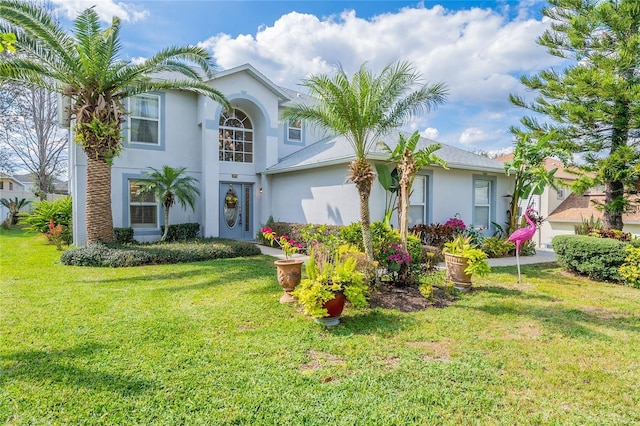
(98, 211)
(365, 222)
(362, 175)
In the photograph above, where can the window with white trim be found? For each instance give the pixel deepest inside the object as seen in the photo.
(294, 131)
(143, 208)
(144, 119)
(418, 201)
(236, 137)
(482, 204)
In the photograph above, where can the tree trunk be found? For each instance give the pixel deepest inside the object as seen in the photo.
(362, 175)
(98, 211)
(365, 222)
(612, 218)
(166, 223)
(403, 213)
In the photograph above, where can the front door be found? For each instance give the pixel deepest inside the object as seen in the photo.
(236, 211)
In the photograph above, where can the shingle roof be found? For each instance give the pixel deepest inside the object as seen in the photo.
(337, 150)
(578, 207)
(549, 164)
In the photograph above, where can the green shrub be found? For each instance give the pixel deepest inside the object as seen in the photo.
(383, 236)
(301, 232)
(497, 247)
(182, 232)
(323, 234)
(115, 255)
(352, 234)
(124, 235)
(630, 269)
(415, 250)
(597, 258)
(58, 210)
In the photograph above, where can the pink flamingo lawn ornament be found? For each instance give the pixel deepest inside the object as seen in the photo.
(521, 235)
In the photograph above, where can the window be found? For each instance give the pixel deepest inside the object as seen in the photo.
(143, 208)
(236, 137)
(482, 204)
(10, 186)
(418, 201)
(561, 194)
(294, 131)
(144, 119)
(1, 185)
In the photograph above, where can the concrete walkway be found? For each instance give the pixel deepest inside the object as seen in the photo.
(541, 256)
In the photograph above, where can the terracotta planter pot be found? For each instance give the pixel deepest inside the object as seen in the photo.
(334, 308)
(455, 271)
(289, 275)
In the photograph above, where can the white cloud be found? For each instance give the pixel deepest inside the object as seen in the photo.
(106, 9)
(479, 53)
(476, 51)
(473, 136)
(138, 60)
(430, 133)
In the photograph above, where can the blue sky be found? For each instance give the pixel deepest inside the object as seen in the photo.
(478, 48)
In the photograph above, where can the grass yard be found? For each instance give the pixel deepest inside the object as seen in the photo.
(208, 343)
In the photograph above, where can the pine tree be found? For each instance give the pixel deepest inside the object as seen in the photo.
(592, 103)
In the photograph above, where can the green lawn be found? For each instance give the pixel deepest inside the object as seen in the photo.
(208, 343)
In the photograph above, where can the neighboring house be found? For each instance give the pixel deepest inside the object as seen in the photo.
(578, 208)
(252, 165)
(21, 186)
(29, 181)
(10, 188)
(11, 184)
(548, 201)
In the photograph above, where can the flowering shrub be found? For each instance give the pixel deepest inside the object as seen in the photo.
(395, 256)
(456, 223)
(288, 245)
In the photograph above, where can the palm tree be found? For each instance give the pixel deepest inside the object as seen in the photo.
(363, 109)
(409, 162)
(14, 205)
(84, 66)
(168, 185)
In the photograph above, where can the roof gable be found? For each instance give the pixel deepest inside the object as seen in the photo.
(282, 95)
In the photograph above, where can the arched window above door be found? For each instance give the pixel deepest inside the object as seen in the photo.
(235, 137)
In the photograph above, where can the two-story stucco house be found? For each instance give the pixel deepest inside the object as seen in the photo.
(251, 165)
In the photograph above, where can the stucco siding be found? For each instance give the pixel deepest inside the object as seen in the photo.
(320, 196)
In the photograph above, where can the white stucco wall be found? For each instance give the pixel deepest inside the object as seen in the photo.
(322, 196)
(319, 196)
(453, 194)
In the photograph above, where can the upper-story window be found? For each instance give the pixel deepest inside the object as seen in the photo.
(144, 119)
(294, 131)
(236, 137)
